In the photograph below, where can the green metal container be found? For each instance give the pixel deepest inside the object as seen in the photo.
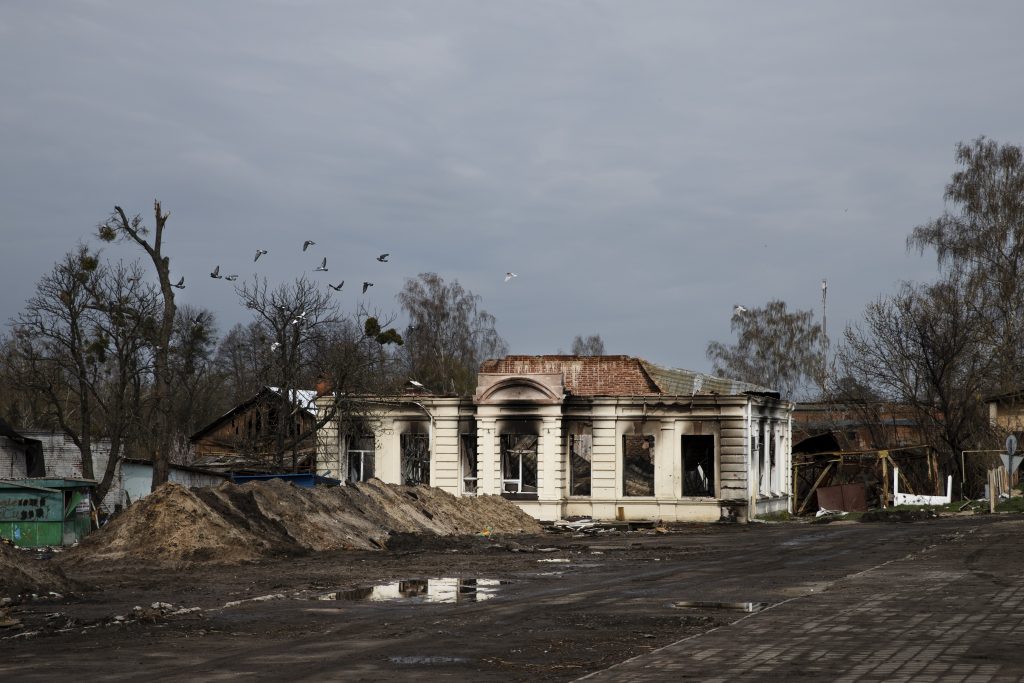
(45, 512)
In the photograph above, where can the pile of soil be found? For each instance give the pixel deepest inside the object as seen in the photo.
(229, 524)
(22, 572)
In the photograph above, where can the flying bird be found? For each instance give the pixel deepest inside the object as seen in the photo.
(416, 384)
(337, 287)
(198, 320)
(136, 278)
(738, 310)
(275, 346)
(231, 278)
(307, 244)
(216, 273)
(259, 252)
(509, 275)
(322, 266)
(366, 286)
(383, 258)
(180, 284)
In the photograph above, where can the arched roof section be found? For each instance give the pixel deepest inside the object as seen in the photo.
(519, 390)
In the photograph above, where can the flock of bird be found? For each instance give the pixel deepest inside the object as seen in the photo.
(322, 268)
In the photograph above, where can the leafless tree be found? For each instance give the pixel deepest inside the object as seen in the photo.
(920, 348)
(290, 324)
(240, 362)
(448, 335)
(775, 348)
(191, 364)
(56, 351)
(81, 345)
(591, 345)
(119, 227)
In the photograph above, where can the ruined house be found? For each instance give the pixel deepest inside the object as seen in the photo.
(611, 437)
(20, 456)
(1006, 412)
(858, 426)
(272, 431)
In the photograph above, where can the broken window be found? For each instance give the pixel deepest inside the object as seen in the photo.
(415, 459)
(699, 465)
(360, 458)
(637, 465)
(519, 463)
(580, 449)
(469, 467)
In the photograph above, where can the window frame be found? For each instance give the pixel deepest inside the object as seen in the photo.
(506, 440)
(353, 440)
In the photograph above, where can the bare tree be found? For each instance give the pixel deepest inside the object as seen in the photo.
(240, 362)
(291, 323)
(448, 335)
(191, 365)
(775, 347)
(923, 348)
(591, 345)
(119, 227)
(80, 345)
(57, 354)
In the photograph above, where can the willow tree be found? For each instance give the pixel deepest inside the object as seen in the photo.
(774, 347)
(448, 335)
(979, 238)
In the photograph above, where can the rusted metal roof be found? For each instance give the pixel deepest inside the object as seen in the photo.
(678, 382)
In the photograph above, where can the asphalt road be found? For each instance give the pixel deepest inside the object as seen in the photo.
(930, 600)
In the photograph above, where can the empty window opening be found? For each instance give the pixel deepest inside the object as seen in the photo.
(360, 458)
(699, 466)
(415, 459)
(580, 450)
(469, 462)
(637, 465)
(759, 453)
(519, 463)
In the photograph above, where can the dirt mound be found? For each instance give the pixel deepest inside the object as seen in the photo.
(21, 571)
(230, 523)
(172, 525)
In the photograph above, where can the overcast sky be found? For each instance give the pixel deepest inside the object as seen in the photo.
(642, 166)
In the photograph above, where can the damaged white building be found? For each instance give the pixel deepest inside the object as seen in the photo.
(611, 437)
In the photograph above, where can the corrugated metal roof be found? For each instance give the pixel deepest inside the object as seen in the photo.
(679, 382)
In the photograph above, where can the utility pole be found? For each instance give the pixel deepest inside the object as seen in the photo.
(824, 334)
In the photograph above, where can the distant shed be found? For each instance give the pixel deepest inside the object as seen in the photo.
(45, 512)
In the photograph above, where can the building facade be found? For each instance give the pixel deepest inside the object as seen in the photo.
(611, 437)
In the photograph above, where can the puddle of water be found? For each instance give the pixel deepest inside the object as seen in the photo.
(705, 604)
(425, 659)
(442, 590)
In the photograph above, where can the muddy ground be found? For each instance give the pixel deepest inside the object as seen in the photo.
(546, 607)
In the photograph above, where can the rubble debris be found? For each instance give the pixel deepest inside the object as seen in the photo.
(231, 523)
